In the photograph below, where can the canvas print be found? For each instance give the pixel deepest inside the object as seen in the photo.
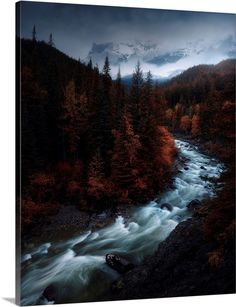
(125, 153)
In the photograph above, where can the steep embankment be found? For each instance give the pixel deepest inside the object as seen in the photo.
(78, 265)
(198, 258)
(180, 267)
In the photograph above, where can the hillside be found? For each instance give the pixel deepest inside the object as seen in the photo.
(86, 141)
(196, 83)
(201, 101)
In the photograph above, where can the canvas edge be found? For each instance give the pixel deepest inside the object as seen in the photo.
(17, 158)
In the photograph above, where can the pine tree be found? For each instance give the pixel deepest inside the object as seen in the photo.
(146, 104)
(34, 36)
(106, 68)
(96, 178)
(90, 64)
(118, 101)
(105, 116)
(135, 96)
(51, 41)
(125, 156)
(70, 116)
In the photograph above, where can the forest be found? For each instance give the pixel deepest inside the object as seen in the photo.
(91, 144)
(89, 141)
(85, 140)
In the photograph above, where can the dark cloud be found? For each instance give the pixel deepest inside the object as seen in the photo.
(76, 27)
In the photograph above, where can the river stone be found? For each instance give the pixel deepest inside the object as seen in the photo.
(54, 250)
(203, 167)
(186, 168)
(167, 206)
(118, 263)
(51, 293)
(192, 206)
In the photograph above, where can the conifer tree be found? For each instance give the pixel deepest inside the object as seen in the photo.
(125, 155)
(118, 100)
(105, 116)
(34, 36)
(70, 110)
(135, 96)
(51, 41)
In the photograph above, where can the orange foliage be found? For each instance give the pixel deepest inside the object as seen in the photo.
(169, 114)
(215, 258)
(31, 211)
(197, 109)
(195, 125)
(64, 168)
(73, 187)
(131, 142)
(167, 149)
(185, 123)
(42, 180)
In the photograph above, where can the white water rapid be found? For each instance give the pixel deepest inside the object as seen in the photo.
(84, 276)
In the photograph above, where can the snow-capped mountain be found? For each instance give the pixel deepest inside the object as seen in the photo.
(122, 52)
(163, 62)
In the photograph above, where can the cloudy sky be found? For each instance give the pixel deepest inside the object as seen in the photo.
(164, 41)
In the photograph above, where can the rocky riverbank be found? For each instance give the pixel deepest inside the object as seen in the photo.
(181, 267)
(70, 221)
(189, 262)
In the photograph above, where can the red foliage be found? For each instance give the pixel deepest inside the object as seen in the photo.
(195, 125)
(185, 123)
(32, 211)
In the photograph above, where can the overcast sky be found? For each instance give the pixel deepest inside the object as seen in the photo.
(76, 27)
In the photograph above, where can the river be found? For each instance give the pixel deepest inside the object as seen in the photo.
(83, 275)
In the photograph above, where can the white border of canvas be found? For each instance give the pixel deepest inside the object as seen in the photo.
(7, 147)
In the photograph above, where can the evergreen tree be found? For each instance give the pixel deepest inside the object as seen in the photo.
(125, 156)
(105, 116)
(90, 64)
(34, 36)
(51, 41)
(135, 97)
(118, 101)
(70, 117)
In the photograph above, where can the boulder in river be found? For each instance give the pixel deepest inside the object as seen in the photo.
(119, 263)
(51, 293)
(186, 168)
(203, 167)
(194, 204)
(167, 206)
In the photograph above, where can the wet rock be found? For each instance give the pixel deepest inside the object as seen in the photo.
(203, 167)
(179, 267)
(194, 204)
(118, 263)
(167, 206)
(186, 168)
(51, 293)
(54, 250)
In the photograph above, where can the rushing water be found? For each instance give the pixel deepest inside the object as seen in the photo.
(84, 275)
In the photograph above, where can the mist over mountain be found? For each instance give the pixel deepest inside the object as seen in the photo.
(164, 63)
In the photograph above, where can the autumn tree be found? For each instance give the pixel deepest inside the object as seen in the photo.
(185, 123)
(195, 130)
